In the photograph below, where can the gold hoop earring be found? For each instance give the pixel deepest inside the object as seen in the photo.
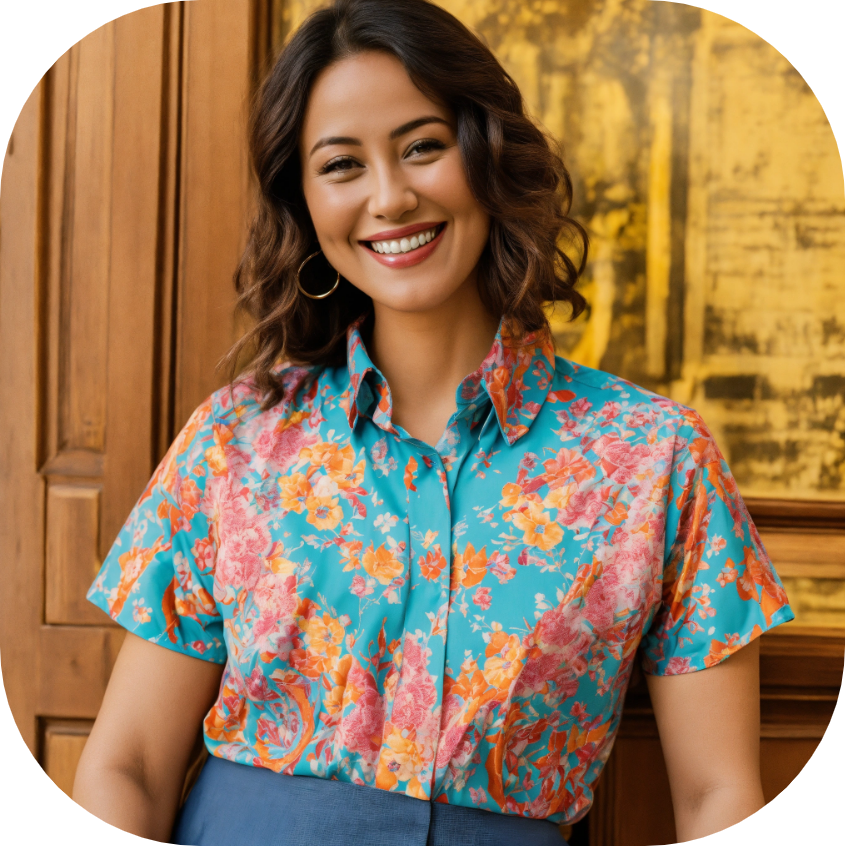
(315, 296)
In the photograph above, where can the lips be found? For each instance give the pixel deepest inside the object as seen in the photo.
(404, 232)
(415, 256)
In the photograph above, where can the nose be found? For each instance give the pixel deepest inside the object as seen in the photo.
(391, 195)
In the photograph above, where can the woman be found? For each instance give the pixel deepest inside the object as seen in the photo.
(429, 552)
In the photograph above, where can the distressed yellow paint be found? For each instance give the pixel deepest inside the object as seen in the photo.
(658, 240)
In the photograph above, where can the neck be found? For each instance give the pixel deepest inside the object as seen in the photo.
(425, 355)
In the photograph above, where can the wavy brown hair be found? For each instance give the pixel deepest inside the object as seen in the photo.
(514, 170)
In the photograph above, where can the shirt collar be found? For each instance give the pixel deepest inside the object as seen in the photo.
(516, 376)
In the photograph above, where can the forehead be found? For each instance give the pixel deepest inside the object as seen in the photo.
(366, 94)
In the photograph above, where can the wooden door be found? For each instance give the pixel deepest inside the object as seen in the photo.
(122, 219)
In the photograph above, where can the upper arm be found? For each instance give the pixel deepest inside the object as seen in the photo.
(151, 713)
(709, 725)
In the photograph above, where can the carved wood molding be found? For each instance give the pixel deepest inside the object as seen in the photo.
(797, 514)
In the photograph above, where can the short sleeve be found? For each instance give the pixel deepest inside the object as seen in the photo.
(720, 589)
(157, 581)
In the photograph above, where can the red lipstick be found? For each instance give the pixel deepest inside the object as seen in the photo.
(411, 258)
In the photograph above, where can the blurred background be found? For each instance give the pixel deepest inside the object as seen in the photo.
(711, 185)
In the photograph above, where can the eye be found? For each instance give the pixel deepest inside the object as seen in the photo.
(341, 164)
(426, 145)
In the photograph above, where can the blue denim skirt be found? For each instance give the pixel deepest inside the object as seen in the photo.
(238, 804)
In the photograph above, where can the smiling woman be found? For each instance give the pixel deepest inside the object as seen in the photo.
(428, 551)
(367, 115)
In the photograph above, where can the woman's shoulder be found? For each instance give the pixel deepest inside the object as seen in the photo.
(584, 391)
(242, 404)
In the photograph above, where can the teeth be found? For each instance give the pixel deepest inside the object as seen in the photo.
(404, 245)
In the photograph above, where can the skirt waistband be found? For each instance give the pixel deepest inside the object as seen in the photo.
(237, 803)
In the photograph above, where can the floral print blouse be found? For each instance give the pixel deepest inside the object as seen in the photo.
(457, 623)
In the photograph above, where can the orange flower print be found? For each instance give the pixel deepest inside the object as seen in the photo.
(319, 455)
(559, 497)
(401, 760)
(410, 473)
(469, 567)
(513, 496)
(323, 639)
(294, 492)
(505, 656)
(140, 613)
(323, 512)
(350, 554)
(343, 471)
(539, 529)
(323, 634)
(333, 700)
(727, 575)
(278, 563)
(432, 565)
(382, 564)
(566, 465)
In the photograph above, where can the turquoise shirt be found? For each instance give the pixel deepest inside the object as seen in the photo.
(455, 622)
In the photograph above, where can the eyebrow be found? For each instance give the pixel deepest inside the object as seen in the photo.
(410, 126)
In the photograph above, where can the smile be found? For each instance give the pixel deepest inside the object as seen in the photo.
(407, 250)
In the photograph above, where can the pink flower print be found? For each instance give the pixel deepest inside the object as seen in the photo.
(282, 448)
(580, 407)
(620, 459)
(479, 797)
(579, 712)
(582, 510)
(413, 702)
(244, 539)
(558, 627)
(203, 553)
(360, 587)
(258, 688)
(482, 597)
(638, 419)
(275, 598)
(379, 450)
(567, 423)
(361, 731)
(610, 410)
(536, 674)
(675, 666)
(413, 658)
(600, 605)
(499, 565)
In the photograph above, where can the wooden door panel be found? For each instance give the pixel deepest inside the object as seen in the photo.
(218, 69)
(73, 522)
(21, 489)
(80, 351)
(781, 760)
(75, 668)
(61, 747)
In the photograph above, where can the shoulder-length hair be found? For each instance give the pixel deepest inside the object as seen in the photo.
(513, 168)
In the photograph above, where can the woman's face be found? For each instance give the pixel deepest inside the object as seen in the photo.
(386, 187)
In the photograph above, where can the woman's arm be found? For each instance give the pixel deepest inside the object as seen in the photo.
(134, 763)
(709, 724)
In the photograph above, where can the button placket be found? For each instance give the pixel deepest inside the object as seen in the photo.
(410, 744)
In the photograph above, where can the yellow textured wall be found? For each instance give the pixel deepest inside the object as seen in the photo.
(711, 184)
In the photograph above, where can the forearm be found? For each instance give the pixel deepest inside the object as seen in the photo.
(716, 809)
(120, 799)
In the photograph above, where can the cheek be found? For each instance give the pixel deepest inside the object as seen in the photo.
(449, 188)
(332, 213)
